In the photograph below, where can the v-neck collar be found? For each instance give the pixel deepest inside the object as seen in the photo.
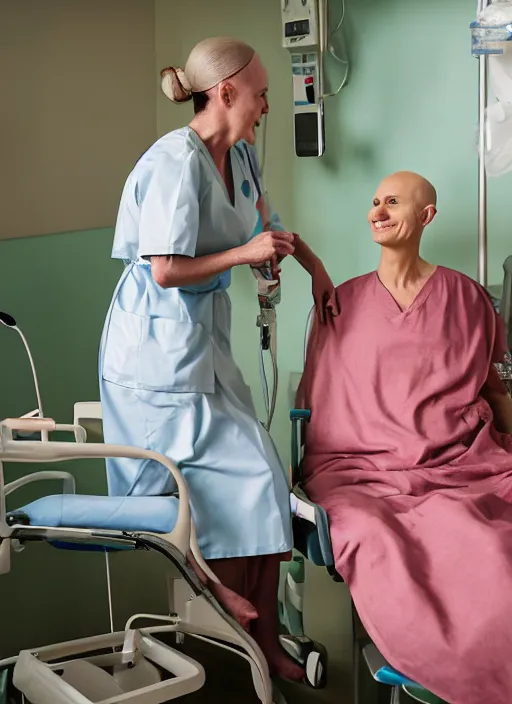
(218, 176)
(420, 298)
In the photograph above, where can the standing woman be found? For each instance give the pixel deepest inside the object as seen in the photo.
(168, 381)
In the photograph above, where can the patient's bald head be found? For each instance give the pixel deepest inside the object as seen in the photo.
(411, 185)
(404, 204)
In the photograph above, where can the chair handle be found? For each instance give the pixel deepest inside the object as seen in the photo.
(298, 417)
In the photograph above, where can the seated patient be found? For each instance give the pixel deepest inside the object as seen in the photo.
(409, 451)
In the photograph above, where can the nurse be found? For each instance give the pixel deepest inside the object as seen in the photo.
(168, 381)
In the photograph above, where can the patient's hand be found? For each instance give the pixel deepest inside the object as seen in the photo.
(324, 293)
(498, 398)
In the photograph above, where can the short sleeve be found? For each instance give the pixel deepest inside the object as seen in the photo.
(168, 198)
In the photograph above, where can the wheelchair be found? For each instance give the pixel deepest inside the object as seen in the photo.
(312, 542)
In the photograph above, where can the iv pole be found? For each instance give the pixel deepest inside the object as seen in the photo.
(482, 177)
(505, 308)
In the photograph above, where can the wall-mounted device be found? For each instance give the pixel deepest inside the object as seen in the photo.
(304, 27)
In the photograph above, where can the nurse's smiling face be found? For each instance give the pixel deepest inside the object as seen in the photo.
(243, 99)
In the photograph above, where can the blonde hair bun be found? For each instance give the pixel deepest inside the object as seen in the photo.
(175, 84)
(210, 62)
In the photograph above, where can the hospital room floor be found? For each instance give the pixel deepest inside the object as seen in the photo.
(228, 681)
(328, 620)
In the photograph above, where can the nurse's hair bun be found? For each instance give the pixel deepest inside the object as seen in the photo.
(210, 62)
(175, 84)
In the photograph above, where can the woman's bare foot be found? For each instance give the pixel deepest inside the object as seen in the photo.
(241, 610)
(281, 665)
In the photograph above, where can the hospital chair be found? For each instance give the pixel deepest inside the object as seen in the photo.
(312, 541)
(132, 665)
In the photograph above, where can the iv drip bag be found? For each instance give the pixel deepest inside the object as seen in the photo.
(498, 115)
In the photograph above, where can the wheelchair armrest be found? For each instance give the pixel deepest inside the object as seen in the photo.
(68, 481)
(311, 534)
(298, 417)
(30, 424)
(310, 522)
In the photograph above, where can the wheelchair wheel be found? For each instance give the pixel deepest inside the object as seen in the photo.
(310, 655)
(316, 667)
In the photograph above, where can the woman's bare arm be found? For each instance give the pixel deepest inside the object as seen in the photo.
(175, 270)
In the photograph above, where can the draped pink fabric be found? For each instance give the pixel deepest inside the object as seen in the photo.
(402, 453)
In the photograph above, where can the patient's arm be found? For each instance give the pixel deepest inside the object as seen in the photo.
(499, 400)
(324, 293)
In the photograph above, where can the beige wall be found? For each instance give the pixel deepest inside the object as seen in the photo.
(77, 109)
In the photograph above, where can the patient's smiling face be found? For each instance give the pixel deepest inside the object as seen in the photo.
(402, 206)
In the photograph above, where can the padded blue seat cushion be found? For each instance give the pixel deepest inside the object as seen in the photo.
(153, 514)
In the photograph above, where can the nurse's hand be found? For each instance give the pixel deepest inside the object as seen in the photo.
(267, 246)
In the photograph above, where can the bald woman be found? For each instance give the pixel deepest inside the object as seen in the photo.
(189, 213)
(409, 450)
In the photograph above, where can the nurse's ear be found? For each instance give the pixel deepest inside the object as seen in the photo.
(227, 94)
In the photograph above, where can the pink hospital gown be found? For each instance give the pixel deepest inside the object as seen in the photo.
(417, 483)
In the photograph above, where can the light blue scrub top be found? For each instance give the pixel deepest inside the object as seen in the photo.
(168, 380)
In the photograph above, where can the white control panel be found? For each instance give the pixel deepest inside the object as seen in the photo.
(304, 37)
(300, 24)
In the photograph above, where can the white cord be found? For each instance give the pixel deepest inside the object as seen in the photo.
(342, 85)
(109, 592)
(36, 384)
(274, 387)
(338, 58)
(44, 433)
(338, 26)
(335, 56)
(270, 403)
(264, 384)
(236, 651)
(151, 617)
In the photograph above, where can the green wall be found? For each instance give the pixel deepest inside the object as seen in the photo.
(58, 288)
(411, 103)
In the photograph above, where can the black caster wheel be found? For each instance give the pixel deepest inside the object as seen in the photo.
(310, 655)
